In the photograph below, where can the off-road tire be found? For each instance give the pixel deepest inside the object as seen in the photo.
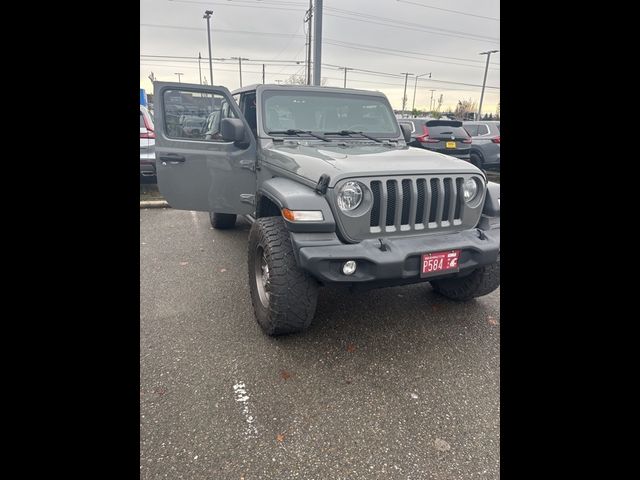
(293, 293)
(480, 282)
(222, 221)
(476, 160)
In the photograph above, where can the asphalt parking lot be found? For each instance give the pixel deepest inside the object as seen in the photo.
(396, 383)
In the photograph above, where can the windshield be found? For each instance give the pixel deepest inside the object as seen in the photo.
(327, 112)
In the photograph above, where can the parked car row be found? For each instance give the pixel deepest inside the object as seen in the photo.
(476, 142)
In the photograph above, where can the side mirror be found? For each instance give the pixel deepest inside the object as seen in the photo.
(232, 130)
(406, 131)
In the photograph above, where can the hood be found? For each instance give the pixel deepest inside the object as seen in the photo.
(342, 160)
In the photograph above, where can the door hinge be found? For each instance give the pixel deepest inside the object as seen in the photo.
(248, 198)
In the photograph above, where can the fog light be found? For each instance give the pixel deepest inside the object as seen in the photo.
(349, 267)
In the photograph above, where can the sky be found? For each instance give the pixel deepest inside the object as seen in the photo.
(379, 39)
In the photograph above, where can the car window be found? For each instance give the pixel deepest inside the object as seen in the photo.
(472, 129)
(328, 112)
(194, 115)
(483, 130)
(447, 131)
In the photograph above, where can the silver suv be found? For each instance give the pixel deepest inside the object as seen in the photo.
(333, 193)
(485, 146)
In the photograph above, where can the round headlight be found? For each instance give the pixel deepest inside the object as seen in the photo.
(350, 196)
(469, 190)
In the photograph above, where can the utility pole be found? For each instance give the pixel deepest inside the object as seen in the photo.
(200, 69)
(431, 101)
(345, 74)
(404, 95)
(415, 87)
(263, 73)
(308, 19)
(179, 75)
(486, 68)
(317, 46)
(207, 15)
(239, 66)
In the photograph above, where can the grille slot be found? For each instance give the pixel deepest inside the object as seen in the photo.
(391, 202)
(422, 203)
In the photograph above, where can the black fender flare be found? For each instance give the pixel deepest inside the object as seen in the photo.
(287, 193)
(492, 200)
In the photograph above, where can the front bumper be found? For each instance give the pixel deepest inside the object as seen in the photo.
(322, 255)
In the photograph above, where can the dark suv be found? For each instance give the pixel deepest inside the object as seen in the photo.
(442, 136)
(334, 195)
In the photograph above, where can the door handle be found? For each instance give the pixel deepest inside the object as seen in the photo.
(172, 158)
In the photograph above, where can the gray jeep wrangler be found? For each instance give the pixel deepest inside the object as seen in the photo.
(333, 193)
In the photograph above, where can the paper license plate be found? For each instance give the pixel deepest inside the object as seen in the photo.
(438, 262)
(451, 144)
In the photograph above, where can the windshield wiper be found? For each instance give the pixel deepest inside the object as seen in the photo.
(297, 131)
(352, 132)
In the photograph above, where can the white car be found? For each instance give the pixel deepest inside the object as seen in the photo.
(147, 144)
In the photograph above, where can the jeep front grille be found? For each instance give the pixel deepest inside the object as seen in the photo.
(411, 205)
(401, 205)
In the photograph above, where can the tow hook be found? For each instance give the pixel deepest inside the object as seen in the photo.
(383, 247)
(481, 234)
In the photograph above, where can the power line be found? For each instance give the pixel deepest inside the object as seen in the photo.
(403, 27)
(339, 43)
(450, 11)
(379, 51)
(362, 18)
(229, 4)
(355, 70)
(405, 23)
(360, 70)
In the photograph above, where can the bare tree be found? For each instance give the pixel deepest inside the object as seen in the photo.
(465, 109)
(300, 80)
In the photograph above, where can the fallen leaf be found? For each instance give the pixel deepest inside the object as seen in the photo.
(492, 321)
(351, 348)
(184, 263)
(441, 445)
(414, 396)
(222, 270)
(285, 375)
(280, 438)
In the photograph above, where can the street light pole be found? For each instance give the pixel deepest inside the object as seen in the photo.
(431, 101)
(207, 15)
(239, 66)
(200, 69)
(413, 106)
(404, 95)
(486, 68)
(179, 75)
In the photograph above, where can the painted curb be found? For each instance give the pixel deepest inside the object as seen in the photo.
(154, 204)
